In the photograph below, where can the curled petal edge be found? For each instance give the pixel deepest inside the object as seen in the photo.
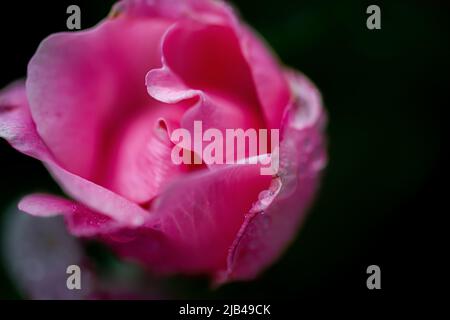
(274, 219)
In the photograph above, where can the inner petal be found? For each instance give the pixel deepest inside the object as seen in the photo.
(138, 160)
(209, 58)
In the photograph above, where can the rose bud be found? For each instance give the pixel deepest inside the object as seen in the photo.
(99, 108)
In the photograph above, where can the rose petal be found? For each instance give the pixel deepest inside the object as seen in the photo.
(274, 220)
(80, 220)
(271, 86)
(87, 110)
(204, 63)
(17, 127)
(194, 222)
(272, 89)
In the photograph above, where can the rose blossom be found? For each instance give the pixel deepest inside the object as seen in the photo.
(98, 107)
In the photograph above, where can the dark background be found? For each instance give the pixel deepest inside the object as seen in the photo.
(386, 93)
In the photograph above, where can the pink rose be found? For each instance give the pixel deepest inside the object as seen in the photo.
(98, 108)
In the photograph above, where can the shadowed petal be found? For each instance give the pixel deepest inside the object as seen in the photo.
(273, 221)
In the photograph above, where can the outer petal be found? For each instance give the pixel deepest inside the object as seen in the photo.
(80, 220)
(17, 127)
(194, 222)
(273, 221)
(271, 85)
(37, 253)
